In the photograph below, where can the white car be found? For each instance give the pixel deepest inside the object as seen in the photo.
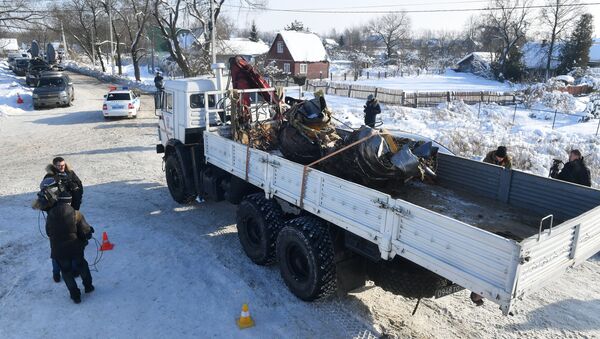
(121, 103)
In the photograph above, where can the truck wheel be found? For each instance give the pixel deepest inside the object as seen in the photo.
(306, 258)
(175, 181)
(406, 278)
(259, 221)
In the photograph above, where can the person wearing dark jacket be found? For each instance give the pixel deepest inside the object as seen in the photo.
(575, 170)
(60, 171)
(371, 110)
(67, 181)
(499, 158)
(69, 232)
(159, 84)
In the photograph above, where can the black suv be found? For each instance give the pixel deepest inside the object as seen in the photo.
(20, 66)
(36, 66)
(53, 89)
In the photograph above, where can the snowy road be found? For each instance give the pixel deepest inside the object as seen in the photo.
(179, 271)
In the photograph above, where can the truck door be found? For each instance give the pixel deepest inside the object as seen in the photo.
(166, 121)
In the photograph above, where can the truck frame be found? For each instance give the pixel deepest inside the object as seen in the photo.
(499, 233)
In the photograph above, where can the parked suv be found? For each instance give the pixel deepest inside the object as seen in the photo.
(20, 66)
(54, 89)
(36, 66)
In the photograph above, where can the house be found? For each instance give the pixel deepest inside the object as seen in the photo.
(8, 45)
(473, 62)
(595, 53)
(240, 46)
(190, 38)
(299, 53)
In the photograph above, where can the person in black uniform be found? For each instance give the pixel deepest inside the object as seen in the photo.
(575, 170)
(371, 110)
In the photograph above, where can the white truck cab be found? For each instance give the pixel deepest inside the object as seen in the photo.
(188, 97)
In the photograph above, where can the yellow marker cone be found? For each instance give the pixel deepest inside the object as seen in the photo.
(245, 321)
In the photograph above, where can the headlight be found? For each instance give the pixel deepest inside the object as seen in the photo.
(63, 94)
(35, 96)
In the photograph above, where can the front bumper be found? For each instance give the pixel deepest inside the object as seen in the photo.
(50, 101)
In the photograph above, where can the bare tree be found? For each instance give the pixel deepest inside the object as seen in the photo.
(135, 16)
(510, 18)
(18, 14)
(391, 29)
(557, 18)
(168, 15)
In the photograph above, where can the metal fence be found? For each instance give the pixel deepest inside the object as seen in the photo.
(410, 99)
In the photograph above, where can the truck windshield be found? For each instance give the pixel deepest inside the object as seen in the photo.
(117, 96)
(197, 100)
(51, 82)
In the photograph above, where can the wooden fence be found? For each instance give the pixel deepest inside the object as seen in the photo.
(412, 99)
(576, 90)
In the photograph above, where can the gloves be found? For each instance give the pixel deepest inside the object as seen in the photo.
(92, 230)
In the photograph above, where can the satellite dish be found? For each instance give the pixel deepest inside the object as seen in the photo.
(50, 54)
(35, 49)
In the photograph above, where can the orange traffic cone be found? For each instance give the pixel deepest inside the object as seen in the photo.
(106, 245)
(245, 321)
(19, 99)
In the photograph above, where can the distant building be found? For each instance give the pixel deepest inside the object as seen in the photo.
(299, 53)
(240, 46)
(8, 45)
(471, 62)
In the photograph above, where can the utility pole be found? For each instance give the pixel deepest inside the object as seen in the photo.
(212, 31)
(112, 47)
(64, 41)
(93, 46)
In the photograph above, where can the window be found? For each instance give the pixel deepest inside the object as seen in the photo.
(197, 100)
(280, 47)
(51, 82)
(286, 68)
(303, 68)
(117, 96)
(168, 102)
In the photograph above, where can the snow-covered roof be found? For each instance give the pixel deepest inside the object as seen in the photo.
(304, 46)
(595, 51)
(9, 44)
(241, 46)
(535, 55)
(330, 42)
(483, 56)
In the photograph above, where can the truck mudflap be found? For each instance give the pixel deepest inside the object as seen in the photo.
(556, 250)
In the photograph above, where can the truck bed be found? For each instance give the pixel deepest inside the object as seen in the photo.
(488, 214)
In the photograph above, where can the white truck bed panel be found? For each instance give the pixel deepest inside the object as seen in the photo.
(497, 268)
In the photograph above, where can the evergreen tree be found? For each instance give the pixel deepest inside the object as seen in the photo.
(575, 52)
(341, 41)
(296, 26)
(514, 68)
(253, 33)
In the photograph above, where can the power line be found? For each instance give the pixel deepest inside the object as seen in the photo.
(450, 10)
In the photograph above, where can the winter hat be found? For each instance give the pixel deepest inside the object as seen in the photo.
(65, 197)
(370, 97)
(501, 152)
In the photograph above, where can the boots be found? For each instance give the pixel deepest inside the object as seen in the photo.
(56, 277)
(76, 295)
(89, 289)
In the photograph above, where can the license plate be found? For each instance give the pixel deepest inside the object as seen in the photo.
(447, 290)
(117, 106)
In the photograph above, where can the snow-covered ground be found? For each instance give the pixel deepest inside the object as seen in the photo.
(179, 271)
(450, 81)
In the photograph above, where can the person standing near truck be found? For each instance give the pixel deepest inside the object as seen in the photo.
(67, 181)
(371, 110)
(575, 170)
(499, 157)
(160, 86)
(69, 233)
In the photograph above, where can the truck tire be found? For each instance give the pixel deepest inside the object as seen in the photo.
(405, 278)
(306, 258)
(175, 181)
(259, 221)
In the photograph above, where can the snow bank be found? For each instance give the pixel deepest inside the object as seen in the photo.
(450, 81)
(10, 87)
(127, 79)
